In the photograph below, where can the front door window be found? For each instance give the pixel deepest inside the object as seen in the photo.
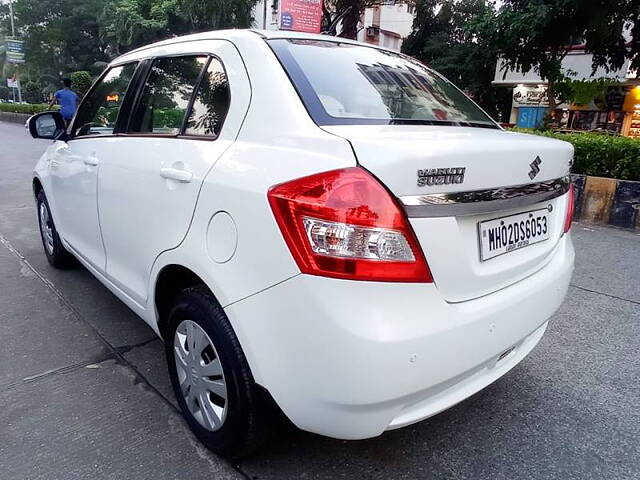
(99, 111)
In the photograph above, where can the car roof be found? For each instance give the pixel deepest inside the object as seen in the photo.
(250, 34)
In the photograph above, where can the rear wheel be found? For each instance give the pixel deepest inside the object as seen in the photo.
(211, 377)
(55, 252)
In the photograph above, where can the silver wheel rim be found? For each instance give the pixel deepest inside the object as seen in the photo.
(200, 375)
(46, 230)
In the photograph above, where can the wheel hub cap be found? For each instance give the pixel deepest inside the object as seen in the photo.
(200, 375)
(46, 229)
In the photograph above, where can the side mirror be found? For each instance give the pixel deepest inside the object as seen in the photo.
(48, 125)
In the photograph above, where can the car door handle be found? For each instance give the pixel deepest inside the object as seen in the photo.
(92, 161)
(183, 176)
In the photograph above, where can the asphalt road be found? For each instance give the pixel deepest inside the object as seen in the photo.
(84, 390)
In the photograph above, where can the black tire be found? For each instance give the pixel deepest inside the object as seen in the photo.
(244, 427)
(55, 252)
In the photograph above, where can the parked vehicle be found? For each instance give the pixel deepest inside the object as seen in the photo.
(309, 221)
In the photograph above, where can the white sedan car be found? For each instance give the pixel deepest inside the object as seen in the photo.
(309, 222)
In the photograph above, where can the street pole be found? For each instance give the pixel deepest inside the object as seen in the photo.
(264, 14)
(13, 26)
(13, 35)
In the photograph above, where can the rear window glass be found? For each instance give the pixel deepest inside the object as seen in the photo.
(342, 83)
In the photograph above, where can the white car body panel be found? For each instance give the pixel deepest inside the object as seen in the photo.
(313, 342)
(134, 197)
(491, 157)
(353, 359)
(73, 182)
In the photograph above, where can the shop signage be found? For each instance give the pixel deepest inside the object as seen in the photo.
(13, 82)
(301, 15)
(15, 50)
(614, 99)
(530, 96)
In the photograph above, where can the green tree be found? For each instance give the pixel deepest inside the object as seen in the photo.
(456, 38)
(71, 35)
(5, 93)
(216, 14)
(538, 34)
(128, 24)
(60, 35)
(346, 15)
(81, 82)
(32, 93)
(131, 23)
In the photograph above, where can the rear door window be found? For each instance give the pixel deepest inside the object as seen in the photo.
(166, 95)
(98, 113)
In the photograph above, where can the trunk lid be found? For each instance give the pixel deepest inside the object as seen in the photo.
(407, 158)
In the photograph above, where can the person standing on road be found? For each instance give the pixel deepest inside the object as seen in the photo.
(68, 100)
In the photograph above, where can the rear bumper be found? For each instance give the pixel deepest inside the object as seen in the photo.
(353, 359)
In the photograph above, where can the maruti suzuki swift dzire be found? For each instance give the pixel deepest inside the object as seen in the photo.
(310, 222)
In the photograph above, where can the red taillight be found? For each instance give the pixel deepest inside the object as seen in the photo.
(344, 224)
(571, 200)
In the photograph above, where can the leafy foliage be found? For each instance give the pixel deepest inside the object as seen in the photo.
(60, 35)
(81, 82)
(5, 93)
(129, 24)
(347, 14)
(583, 91)
(32, 93)
(216, 14)
(456, 38)
(72, 35)
(538, 34)
(29, 108)
(601, 155)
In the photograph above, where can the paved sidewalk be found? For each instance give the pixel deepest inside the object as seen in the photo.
(85, 395)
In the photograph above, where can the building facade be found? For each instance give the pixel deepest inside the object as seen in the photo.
(386, 25)
(617, 110)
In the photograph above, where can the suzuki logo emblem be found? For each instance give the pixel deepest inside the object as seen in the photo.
(535, 169)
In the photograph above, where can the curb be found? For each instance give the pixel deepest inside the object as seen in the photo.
(14, 117)
(607, 201)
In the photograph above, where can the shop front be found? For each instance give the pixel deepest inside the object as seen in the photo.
(614, 110)
(631, 124)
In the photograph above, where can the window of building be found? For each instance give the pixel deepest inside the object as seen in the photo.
(99, 111)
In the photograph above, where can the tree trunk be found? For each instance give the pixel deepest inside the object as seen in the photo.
(350, 24)
(551, 95)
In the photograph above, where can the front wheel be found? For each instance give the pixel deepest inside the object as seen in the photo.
(56, 254)
(211, 377)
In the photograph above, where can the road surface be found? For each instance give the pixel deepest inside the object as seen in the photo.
(84, 389)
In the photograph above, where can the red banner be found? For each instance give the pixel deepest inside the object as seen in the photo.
(301, 15)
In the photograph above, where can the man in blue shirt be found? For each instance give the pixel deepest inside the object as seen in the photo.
(67, 99)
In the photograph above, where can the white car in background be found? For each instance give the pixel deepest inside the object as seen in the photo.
(309, 221)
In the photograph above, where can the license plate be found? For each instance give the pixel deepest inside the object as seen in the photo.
(506, 234)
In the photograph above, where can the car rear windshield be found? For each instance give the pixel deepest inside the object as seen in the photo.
(343, 83)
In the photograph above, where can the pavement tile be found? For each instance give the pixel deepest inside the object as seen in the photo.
(38, 333)
(149, 360)
(607, 260)
(108, 315)
(98, 422)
